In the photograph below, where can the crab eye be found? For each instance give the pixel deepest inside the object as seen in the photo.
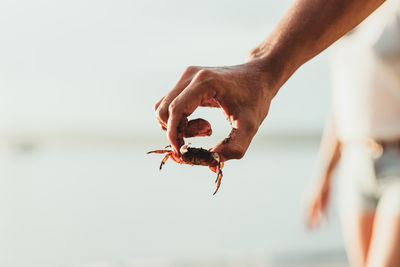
(215, 156)
(183, 149)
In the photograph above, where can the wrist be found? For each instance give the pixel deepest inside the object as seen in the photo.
(324, 174)
(275, 67)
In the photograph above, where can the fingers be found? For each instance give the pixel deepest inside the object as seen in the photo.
(236, 144)
(212, 103)
(184, 105)
(195, 128)
(158, 103)
(162, 124)
(162, 106)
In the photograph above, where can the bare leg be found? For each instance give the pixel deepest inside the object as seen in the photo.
(385, 244)
(357, 229)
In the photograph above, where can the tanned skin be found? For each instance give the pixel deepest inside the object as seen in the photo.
(244, 92)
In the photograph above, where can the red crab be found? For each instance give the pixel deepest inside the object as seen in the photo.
(195, 156)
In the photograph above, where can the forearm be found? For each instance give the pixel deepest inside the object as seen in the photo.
(329, 152)
(307, 28)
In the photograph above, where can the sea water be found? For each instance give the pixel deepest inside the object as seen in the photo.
(73, 203)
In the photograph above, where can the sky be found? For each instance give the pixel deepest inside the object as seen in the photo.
(74, 67)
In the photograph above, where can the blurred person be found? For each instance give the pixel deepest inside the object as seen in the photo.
(244, 91)
(363, 132)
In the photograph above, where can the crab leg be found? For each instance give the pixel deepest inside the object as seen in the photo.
(162, 151)
(165, 159)
(218, 169)
(219, 178)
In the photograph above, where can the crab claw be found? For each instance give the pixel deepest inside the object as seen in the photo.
(184, 149)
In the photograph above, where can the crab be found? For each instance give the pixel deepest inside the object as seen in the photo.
(194, 156)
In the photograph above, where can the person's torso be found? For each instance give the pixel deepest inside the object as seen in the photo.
(366, 78)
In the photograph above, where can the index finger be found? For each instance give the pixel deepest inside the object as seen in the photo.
(184, 105)
(162, 106)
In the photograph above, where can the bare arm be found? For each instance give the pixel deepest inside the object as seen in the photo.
(245, 91)
(309, 27)
(329, 153)
(329, 156)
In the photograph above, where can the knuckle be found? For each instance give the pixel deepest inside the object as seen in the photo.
(203, 75)
(190, 70)
(173, 107)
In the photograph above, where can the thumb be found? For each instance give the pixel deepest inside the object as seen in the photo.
(236, 144)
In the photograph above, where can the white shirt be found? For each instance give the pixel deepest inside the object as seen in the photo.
(366, 78)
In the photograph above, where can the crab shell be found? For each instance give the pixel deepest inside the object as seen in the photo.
(195, 156)
(199, 156)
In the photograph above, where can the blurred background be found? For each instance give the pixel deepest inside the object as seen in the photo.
(78, 82)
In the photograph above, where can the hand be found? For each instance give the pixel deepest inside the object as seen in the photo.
(318, 204)
(244, 93)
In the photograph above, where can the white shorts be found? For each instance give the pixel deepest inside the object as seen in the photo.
(367, 184)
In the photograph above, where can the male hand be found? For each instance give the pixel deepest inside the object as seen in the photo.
(244, 93)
